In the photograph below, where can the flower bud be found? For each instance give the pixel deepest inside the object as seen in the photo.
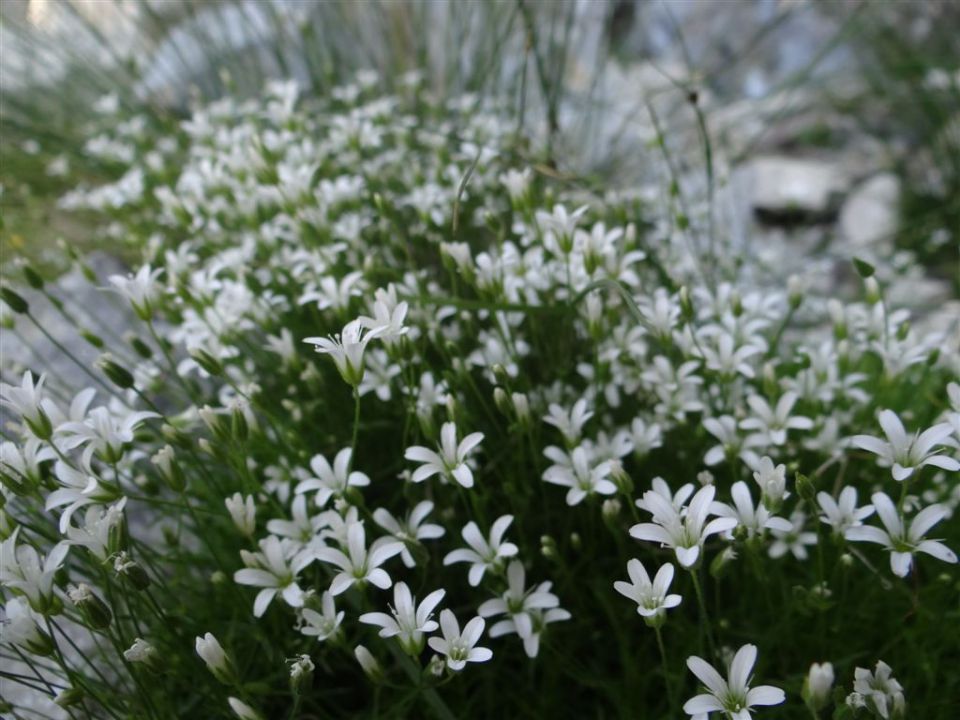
(32, 277)
(805, 487)
(92, 338)
(141, 348)
(217, 660)
(369, 664)
(243, 512)
(872, 290)
(720, 564)
(863, 268)
(69, 697)
(165, 461)
(521, 406)
(817, 686)
(93, 609)
(119, 375)
(502, 401)
(242, 710)
(208, 362)
(795, 291)
(14, 300)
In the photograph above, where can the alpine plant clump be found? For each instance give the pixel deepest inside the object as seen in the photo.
(406, 423)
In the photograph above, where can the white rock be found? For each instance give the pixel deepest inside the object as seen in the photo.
(792, 186)
(870, 215)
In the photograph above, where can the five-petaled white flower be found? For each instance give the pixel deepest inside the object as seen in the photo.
(900, 540)
(752, 519)
(685, 534)
(772, 423)
(411, 530)
(569, 422)
(652, 598)
(407, 621)
(460, 648)
(842, 514)
(140, 289)
(880, 690)
(332, 481)
(527, 611)
(359, 564)
(581, 477)
(27, 402)
(322, 625)
(733, 697)
(23, 570)
(274, 569)
(483, 554)
(906, 454)
(451, 462)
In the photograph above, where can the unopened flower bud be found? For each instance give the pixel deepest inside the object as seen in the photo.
(92, 338)
(166, 462)
(719, 565)
(872, 290)
(14, 300)
(502, 401)
(243, 512)
(69, 697)
(32, 277)
(705, 477)
(795, 291)
(521, 406)
(817, 686)
(208, 362)
(118, 375)
(369, 664)
(242, 710)
(216, 658)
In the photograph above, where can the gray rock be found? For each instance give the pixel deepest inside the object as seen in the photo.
(785, 189)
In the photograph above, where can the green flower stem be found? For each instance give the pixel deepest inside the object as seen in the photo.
(666, 672)
(704, 617)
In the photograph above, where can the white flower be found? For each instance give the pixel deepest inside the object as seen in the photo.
(724, 429)
(243, 512)
(727, 359)
(411, 530)
(98, 525)
(369, 663)
(907, 454)
(451, 462)
(516, 182)
(20, 465)
(903, 542)
(21, 629)
(406, 620)
(771, 424)
(322, 625)
(347, 350)
(675, 500)
(580, 477)
(274, 569)
(569, 422)
(880, 691)
(332, 482)
(217, 660)
(103, 432)
(483, 555)
(388, 316)
(752, 519)
(772, 481)
(23, 570)
(733, 697)
(78, 490)
(141, 652)
(301, 528)
(140, 289)
(686, 534)
(27, 402)
(792, 539)
(843, 513)
(559, 226)
(651, 597)
(460, 648)
(358, 564)
(528, 611)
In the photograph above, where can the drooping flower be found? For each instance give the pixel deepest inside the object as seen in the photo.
(903, 541)
(407, 621)
(733, 697)
(652, 598)
(483, 555)
(451, 463)
(904, 454)
(460, 648)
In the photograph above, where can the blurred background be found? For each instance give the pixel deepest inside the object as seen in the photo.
(812, 125)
